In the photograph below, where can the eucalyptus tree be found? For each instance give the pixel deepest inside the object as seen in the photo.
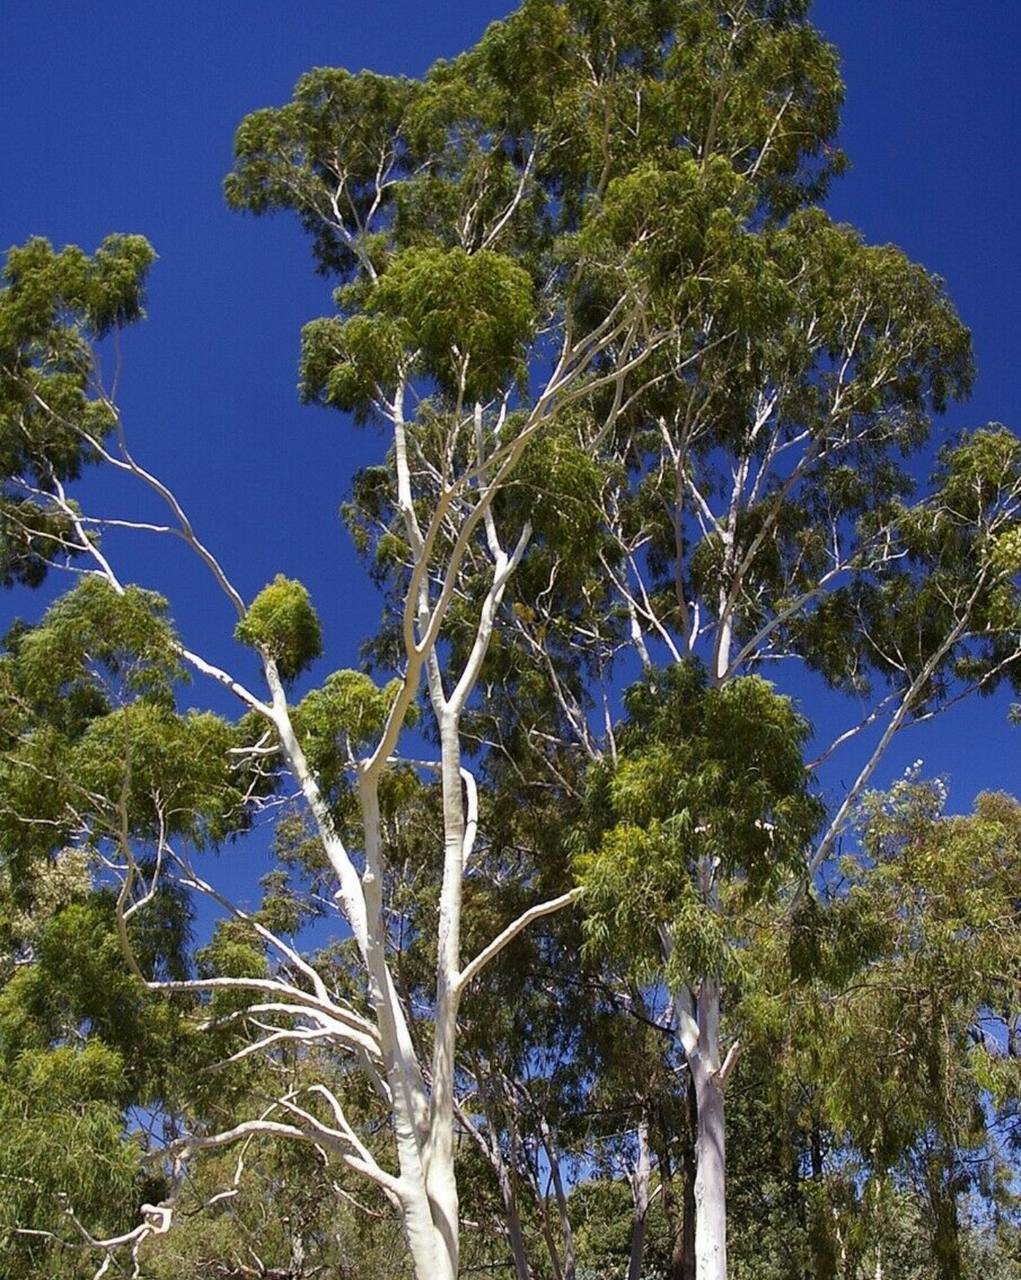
(100, 759)
(635, 394)
(914, 1048)
(744, 499)
(787, 531)
(539, 153)
(755, 505)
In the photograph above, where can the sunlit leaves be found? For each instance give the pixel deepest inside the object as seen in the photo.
(171, 772)
(342, 719)
(708, 777)
(341, 136)
(901, 1013)
(94, 634)
(460, 319)
(53, 307)
(651, 132)
(557, 487)
(282, 624)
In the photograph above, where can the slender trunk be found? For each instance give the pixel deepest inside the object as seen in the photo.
(640, 1185)
(514, 1234)
(567, 1235)
(551, 1244)
(429, 1256)
(491, 1149)
(722, 662)
(821, 1237)
(542, 1207)
(508, 1194)
(297, 1266)
(698, 1025)
(528, 1177)
(441, 1183)
(711, 1174)
(710, 1181)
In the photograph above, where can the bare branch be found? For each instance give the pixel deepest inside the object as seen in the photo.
(474, 967)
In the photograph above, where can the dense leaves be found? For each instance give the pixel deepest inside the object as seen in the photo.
(282, 623)
(53, 306)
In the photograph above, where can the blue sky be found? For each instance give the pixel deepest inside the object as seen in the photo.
(119, 117)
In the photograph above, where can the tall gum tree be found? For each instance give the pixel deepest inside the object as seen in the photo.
(469, 321)
(758, 506)
(753, 495)
(762, 513)
(621, 158)
(577, 282)
(914, 1049)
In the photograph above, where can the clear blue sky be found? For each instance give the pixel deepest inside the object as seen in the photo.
(119, 117)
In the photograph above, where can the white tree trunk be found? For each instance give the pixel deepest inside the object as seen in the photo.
(566, 1232)
(430, 1252)
(441, 1182)
(710, 1178)
(698, 1024)
(515, 1238)
(710, 1148)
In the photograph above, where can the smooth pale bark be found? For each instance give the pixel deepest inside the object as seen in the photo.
(515, 1237)
(489, 1145)
(514, 1234)
(430, 1257)
(425, 1192)
(640, 1189)
(710, 1179)
(710, 1144)
(698, 1024)
(441, 1182)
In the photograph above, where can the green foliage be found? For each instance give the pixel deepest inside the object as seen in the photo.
(895, 1022)
(42, 286)
(234, 951)
(345, 715)
(282, 624)
(469, 315)
(81, 1042)
(337, 123)
(62, 1146)
(94, 629)
(167, 769)
(704, 773)
(615, 183)
(556, 486)
(91, 735)
(53, 306)
(446, 197)
(677, 237)
(461, 319)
